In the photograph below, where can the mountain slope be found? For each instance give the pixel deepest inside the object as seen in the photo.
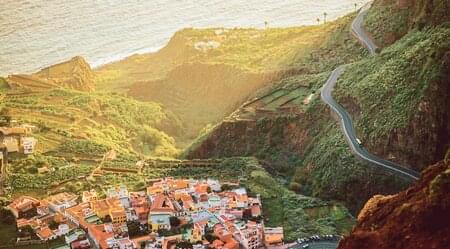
(408, 103)
(202, 75)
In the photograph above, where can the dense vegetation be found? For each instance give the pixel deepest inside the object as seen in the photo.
(388, 88)
(75, 122)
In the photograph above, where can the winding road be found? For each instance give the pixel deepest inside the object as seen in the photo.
(345, 118)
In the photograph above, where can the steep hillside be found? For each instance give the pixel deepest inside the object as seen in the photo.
(390, 20)
(203, 75)
(415, 218)
(74, 74)
(396, 99)
(300, 135)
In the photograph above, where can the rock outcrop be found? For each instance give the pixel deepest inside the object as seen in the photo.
(415, 218)
(74, 74)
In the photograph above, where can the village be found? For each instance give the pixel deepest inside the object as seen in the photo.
(171, 213)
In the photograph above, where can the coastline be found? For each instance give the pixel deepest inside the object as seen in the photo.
(114, 47)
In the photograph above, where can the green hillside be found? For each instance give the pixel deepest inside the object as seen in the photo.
(88, 124)
(396, 99)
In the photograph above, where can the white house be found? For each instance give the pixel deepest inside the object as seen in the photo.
(28, 145)
(121, 193)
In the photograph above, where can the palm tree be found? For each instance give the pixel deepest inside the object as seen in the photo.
(356, 6)
(318, 20)
(325, 17)
(266, 24)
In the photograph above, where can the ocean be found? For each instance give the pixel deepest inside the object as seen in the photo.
(38, 33)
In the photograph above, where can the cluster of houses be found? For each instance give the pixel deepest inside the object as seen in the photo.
(171, 213)
(17, 139)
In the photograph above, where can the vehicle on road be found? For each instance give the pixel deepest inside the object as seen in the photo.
(359, 142)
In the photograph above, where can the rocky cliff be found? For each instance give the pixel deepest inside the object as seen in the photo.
(414, 218)
(73, 74)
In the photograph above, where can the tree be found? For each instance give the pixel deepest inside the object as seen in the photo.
(318, 20)
(210, 237)
(174, 221)
(107, 219)
(356, 6)
(6, 217)
(325, 17)
(134, 228)
(26, 231)
(53, 224)
(266, 24)
(184, 245)
(164, 232)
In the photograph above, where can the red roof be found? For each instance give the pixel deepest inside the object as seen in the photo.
(162, 203)
(217, 243)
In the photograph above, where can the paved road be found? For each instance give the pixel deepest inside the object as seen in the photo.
(360, 33)
(345, 118)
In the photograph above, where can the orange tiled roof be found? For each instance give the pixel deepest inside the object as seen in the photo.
(231, 243)
(100, 235)
(118, 213)
(273, 238)
(162, 203)
(179, 184)
(22, 222)
(23, 202)
(201, 188)
(45, 233)
(217, 243)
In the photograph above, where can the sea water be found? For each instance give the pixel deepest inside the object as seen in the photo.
(39, 33)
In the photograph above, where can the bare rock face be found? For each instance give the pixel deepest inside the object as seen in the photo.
(415, 218)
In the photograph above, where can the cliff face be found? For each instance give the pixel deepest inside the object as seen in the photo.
(73, 74)
(286, 136)
(414, 218)
(426, 137)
